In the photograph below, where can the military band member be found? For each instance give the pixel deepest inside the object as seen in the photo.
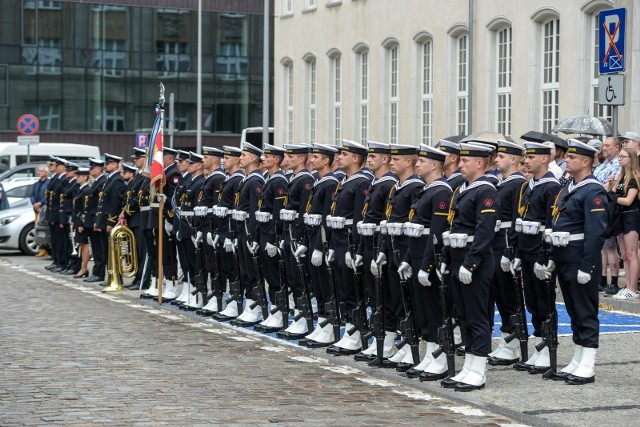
(378, 159)
(534, 217)
(51, 164)
(172, 221)
(317, 238)
(427, 221)
(470, 260)
(205, 220)
(393, 247)
(244, 220)
(578, 234)
(346, 211)
(451, 169)
(228, 257)
(71, 188)
(111, 198)
(128, 173)
(274, 196)
(504, 242)
(79, 217)
(98, 243)
(299, 190)
(58, 243)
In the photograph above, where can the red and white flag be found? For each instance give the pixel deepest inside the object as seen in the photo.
(155, 162)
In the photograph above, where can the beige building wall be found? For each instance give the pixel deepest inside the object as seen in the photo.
(320, 30)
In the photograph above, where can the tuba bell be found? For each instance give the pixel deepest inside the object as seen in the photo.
(122, 257)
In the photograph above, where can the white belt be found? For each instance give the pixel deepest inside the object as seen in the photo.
(313, 220)
(145, 208)
(263, 217)
(154, 205)
(411, 229)
(288, 215)
(367, 229)
(529, 227)
(505, 224)
(186, 213)
(338, 222)
(456, 240)
(562, 238)
(239, 215)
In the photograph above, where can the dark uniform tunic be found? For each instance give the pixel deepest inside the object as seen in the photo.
(109, 208)
(580, 209)
(536, 202)
(502, 290)
(211, 190)
(57, 234)
(229, 262)
(473, 212)
(79, 215)
(188, 200)
(98, 243)
(174, 218)
(455, 180)
(135, 219)
(431, 210)
(66, 218)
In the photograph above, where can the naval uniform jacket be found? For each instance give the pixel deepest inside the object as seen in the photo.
(172, 179)
(189, 198)
(348, 202)
(455, 180)
(247, 200)
(91, 201)
(227, 200)
(110, 203)
(431, 209)
(274, 196)
(509, 195)
(79, 203)
(299, 190)
(132, 202)
(57, 188)
(374, 204)
(47, 197)
(66, 201)
(210, 195)
(319, 203)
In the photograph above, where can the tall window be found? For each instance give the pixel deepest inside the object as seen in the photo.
(287, 7)
(462, 87)
(550, 73)
(288, 75)
(363, 95)
(394, 93)
(426, 93)
(311, 75)
(42, 30)
(596, 109)
(173, 48)
(337, 99)
(503, 81)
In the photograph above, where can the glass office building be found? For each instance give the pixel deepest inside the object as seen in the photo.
(95, 68)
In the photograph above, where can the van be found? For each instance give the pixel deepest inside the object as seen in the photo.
(254, 136)
(12, 154)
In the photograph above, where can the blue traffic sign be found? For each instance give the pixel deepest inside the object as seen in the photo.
(141, 140)
(612, 25)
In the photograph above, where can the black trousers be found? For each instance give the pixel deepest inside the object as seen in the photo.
(426, 303)
(472, 301)
(581, 302)
(228, 267)
(249, 274)
(151, 269)
(64, 245)
(141, 249)
(503, 294)
(55, 248)
(538, 297)
(270, 272)
(99, 245)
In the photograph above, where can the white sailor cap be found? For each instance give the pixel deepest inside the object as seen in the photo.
(578, 147)
(448, 146)
(231, 151)
(403, 150)
(378, 147)
(432, 153)
(108, 158)
(353, 147)
(536, 148)
(508, 147)
(212, 151)
(296, 148)
(488, 145)
(471, 150)
(324, 149)
(250, 148)
(273, 150)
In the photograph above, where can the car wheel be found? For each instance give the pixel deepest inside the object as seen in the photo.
(28, 243)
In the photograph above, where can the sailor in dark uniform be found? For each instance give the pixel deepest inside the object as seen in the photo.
(274, 197)
(81, 228)
(172, 222)
(469, 258)
(71, 188)
(394, 245)
(228, 256)
(505, 240)
(378, 159)
(128, 172)
(48, 213)
(427, 221)
(58, 238)
(451, 169)
(111, 199)
(346, 212)
(205, 220)
(578, 234)
(98, 244)
(537, 198)
(317, 237)
(299, 190)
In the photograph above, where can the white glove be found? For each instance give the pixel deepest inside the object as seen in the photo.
(272, 250)
(551, 266)
(443, 268)
(330, 256)
(348, 260)
(210, 240)
(161, 197)
(505, 264)
(197, 238)
(375, 270)
(515, 265)
(540, 271)
(200, 211)
(583, 277)
(358, 261)
(282, 245)
(464, 275)
(423, 278)
(382, 259)
(316, 258)
(168, 226)
(299, 253)
(253, 247)
(404, 270)
(228, 245)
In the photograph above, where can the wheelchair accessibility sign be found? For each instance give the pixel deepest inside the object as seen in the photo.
(612, 25)
(611, 89)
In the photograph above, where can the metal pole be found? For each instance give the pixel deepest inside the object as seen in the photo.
(172, 118)
(199, 84)
(614, 120)
(470, 71)
(265, 77)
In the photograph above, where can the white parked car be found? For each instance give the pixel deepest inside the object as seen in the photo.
(17, 222)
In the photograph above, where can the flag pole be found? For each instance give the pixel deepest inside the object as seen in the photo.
(161, 202)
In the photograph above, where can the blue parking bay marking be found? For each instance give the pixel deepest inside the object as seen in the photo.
(611, 322)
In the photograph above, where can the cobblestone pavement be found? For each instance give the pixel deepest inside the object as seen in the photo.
(70, 355)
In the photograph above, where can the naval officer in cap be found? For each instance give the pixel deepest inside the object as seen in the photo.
(98, 243)
(578, 234)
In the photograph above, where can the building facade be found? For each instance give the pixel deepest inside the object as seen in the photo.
(416, 71)
(90, 71)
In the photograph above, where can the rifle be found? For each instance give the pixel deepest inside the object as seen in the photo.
(235, 288)
(216, 287)
(446, 341)
(519, 318)
(281, 296)
(332, 309)
(259, 292)
(304, 302)
(201, 277)
(359, 314)
(408, 326)
(549, 327)
(377, 317)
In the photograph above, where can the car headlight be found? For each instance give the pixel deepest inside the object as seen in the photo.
(8, 220)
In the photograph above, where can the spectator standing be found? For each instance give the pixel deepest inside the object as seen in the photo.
(39, 196)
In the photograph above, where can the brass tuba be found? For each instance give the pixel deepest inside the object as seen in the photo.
(122, 257)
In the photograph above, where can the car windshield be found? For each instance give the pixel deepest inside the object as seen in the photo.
(21, 192)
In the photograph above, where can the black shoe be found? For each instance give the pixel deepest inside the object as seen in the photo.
(236, 322)
(219, 316)
(267, 329)
(205, 312)
(460, 350)
(289, 336)
(52, 266)
(602, 287)
(132, 287)
(386, 363)
(573, 380)
(612, 290)
(449, 383)
(522, 366)
(403, 367)
(559, 376)
(93, 279)
(339, 351)
(58, 270)
(428, 376)
(468, 387)
(494, 361)
(136, 283)
(361, 357)
(81, 276)
(375, 362)
(534, 370)
(316, 344)
(413, 373)
(69, 272)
